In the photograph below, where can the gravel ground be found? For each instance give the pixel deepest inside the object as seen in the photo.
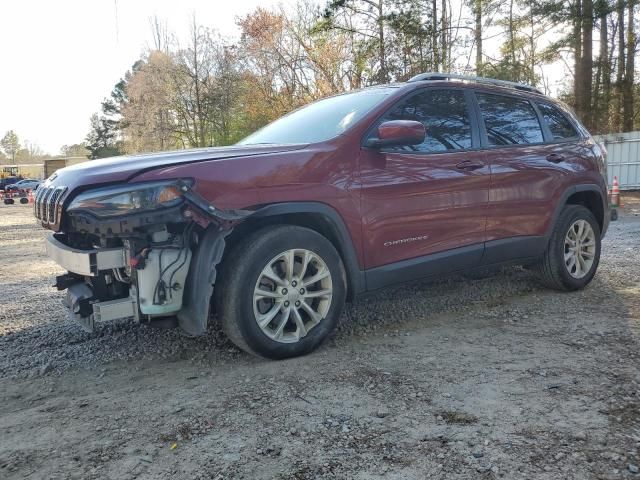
(459, 379)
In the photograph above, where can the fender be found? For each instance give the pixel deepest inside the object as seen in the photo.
(194, 315)
(588, 187)
(345, 245)
(201, 279)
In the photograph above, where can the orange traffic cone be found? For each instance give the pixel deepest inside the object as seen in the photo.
(615, 193)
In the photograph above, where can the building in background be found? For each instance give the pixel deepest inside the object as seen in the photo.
(54, 164)
(39, 171)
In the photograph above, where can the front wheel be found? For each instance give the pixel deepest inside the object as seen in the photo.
(573, 253)
(282, 292)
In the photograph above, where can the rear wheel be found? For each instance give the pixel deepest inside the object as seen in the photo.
(282, 292)
(573, 253)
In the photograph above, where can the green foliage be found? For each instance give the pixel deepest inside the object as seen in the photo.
(10, 144)
(75, 150)
(111, 105)
(102, 138)
(413, 50)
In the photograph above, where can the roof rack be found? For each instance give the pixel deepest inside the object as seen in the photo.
(466, 78)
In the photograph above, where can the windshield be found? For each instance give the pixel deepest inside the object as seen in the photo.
(321, 120)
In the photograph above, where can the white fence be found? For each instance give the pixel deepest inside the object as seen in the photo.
(623, 158)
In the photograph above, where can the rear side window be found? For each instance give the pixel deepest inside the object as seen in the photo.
(509, 120)
(558, 123)
(445, 116)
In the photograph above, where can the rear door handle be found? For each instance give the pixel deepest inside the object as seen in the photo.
(469, 165)
(555, 158)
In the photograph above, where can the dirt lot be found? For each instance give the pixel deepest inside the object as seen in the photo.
(461, 379)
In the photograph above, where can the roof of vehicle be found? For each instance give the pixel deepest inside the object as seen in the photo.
(435, 76)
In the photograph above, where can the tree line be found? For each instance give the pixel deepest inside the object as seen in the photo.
(206, 91)
(14, 151)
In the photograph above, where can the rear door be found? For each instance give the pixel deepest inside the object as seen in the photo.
(428, 198)
(528, 175)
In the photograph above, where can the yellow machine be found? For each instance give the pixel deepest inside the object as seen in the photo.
(34, 170)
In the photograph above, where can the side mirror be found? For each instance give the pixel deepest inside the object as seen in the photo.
(398, 133)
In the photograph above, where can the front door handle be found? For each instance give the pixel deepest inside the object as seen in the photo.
(555, 158)
(469, 165)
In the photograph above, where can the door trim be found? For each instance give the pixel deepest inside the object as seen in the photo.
(449, 261)
(505, 250)
(514, 248)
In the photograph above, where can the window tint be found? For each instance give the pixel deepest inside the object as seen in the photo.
(557, 122)
(509, 120)
(444, 115)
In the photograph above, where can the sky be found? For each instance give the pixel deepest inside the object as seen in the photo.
(61, 58)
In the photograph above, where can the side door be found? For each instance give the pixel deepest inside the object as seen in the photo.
(425, 199)
(527, 174)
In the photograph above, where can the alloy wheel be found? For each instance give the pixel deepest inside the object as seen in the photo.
(292, 295)
(579, 248)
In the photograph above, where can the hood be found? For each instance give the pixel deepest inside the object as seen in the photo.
(123, 169)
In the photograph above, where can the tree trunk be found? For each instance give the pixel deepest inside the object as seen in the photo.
(627, 120)
(532, 49)
(434, 36)
(577, 55)
(198, 120)
(586, 78)
(384, 77)
(617, 114)
(512, 39)
(443, 35)
(603, 86)
(478, 36)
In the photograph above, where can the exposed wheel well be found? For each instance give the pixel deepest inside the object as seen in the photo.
(314, 221)
(591, 200)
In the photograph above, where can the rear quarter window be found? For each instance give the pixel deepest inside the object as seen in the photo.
(509, 120)
(559, 125)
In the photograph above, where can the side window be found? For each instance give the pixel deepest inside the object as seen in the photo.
(558, 123)
(509, 120)
(444, 115)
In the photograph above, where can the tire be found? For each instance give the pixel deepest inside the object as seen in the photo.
(563, 275)
(245, 280)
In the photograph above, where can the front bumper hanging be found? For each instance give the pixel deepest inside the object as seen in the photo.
(86, 265)
(84, 262)
(79, 298)
(87, 314)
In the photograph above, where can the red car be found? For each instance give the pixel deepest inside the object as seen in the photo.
(349, 194)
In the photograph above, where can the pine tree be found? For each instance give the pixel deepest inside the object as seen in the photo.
(102, 138)
(10, 144)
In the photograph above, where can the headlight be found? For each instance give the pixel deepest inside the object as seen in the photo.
(126, 199)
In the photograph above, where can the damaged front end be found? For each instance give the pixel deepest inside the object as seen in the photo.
(141, 251)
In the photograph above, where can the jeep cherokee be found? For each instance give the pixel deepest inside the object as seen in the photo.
(349, 194)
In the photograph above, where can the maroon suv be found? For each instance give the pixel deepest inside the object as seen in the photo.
(349, 194)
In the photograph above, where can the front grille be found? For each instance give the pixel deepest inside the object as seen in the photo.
(46, 204)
